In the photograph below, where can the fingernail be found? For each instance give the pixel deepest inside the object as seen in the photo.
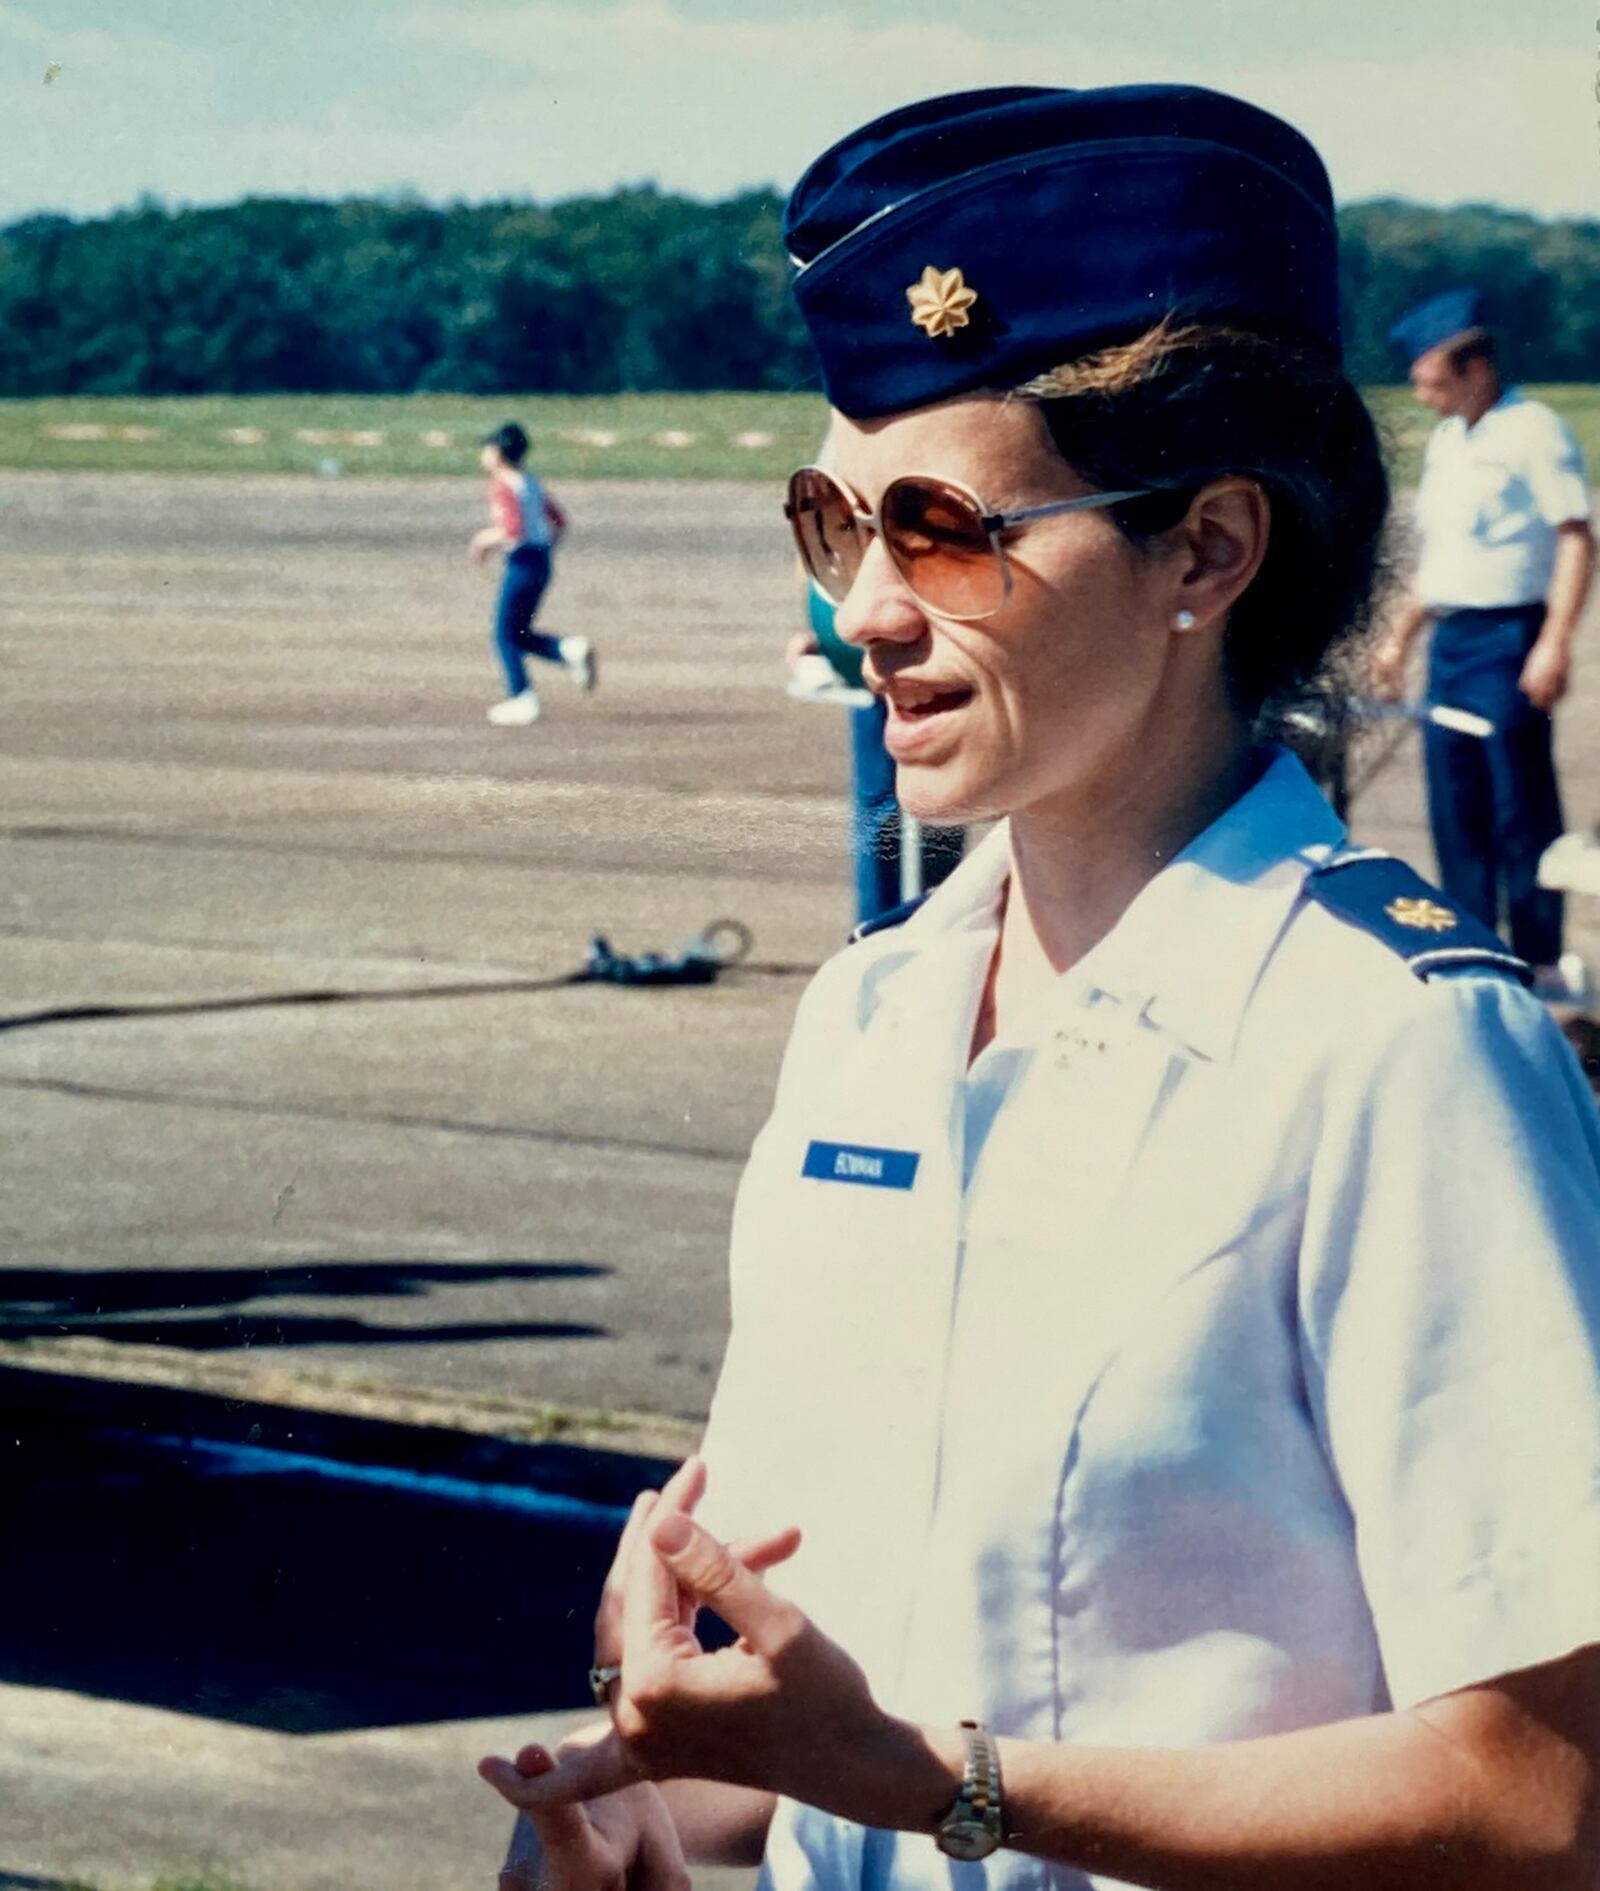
(673, 1534)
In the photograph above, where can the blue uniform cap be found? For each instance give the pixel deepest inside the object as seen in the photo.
(1440, 319)
(974, 240)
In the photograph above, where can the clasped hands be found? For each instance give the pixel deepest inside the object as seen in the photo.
(783, 1709)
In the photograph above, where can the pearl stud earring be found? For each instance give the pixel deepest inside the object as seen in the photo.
(1184, 620)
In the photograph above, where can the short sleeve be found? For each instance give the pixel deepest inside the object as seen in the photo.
(505, 509)
(1450, 1308)
(1555, 472)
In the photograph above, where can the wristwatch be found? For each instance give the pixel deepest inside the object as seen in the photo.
(972, 1827)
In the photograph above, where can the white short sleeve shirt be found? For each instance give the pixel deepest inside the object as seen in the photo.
(1489, 504)
(1247, 1377)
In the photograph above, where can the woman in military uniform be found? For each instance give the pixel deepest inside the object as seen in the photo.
(1163, 1387)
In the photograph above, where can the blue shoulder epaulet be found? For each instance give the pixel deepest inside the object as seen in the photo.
(896, 916)
(1383, 896)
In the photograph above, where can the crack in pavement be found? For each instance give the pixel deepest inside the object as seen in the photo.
(260, 1001)
(290, 1000)
(381, 1119)
(243, 948)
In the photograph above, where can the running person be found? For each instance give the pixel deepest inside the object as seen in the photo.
(528, 524)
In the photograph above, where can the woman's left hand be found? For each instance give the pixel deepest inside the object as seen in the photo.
(785, 1709)
(626, 1842)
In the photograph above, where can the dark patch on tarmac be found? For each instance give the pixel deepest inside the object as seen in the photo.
(293, 1592)
(175, 1306)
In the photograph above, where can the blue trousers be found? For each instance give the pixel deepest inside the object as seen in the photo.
(875, 822)
(1494, 805)
(527, 573)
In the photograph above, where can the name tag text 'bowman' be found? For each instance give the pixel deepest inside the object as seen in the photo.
(851, 1162)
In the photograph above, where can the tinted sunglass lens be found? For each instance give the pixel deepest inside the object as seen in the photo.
(935, 535)
(825, 531)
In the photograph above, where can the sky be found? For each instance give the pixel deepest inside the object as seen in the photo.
(202, 101)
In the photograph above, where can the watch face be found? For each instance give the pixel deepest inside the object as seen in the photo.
(966, 1839)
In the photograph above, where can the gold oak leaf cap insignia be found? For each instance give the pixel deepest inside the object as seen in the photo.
(1422, 915)
(940, 300)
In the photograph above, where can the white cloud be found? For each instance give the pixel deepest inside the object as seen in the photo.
(713, 105)
(640, 90)
(541, 98)
(1443, 127)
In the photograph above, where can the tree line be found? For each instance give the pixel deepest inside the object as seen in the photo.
(639, 289)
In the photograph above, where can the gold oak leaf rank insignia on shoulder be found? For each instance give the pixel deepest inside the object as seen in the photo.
(1381, 895)
(1421, 915)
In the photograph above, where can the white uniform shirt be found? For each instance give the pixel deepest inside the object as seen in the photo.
(1249, 1382)
(1489, 504)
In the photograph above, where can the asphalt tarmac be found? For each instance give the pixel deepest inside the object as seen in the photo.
(243, 757)
(245, 771)
(299, 1105)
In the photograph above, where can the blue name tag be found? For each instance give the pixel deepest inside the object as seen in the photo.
(850, 1162)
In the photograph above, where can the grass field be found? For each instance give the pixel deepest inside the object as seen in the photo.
(623, 436)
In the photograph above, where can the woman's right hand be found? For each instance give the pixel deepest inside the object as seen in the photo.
(681, 1492)
(624, 1842)
(627, 1838)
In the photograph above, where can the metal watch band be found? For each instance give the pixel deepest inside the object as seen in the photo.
(973, 1827)
(981, 1785)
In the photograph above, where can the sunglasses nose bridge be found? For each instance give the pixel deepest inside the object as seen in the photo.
(880, 606)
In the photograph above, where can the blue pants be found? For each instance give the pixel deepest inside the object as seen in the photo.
(1494, 805)
(527, 573)
(875, 822)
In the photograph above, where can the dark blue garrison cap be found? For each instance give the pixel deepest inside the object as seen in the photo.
(974, 240)
(1438, 320)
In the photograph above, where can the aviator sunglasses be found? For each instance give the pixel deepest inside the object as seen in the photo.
(939, 535)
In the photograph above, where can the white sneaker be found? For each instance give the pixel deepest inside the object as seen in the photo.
(516, 712)
(1564, 983)
(583, 666)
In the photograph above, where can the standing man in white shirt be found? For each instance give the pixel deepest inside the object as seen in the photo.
(1505, 559)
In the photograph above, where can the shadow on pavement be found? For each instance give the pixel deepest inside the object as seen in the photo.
(125, 1304)
(298, 1592)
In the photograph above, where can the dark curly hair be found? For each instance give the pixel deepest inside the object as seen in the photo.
(1185, 404)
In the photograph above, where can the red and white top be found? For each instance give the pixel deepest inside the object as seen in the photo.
(524, 511)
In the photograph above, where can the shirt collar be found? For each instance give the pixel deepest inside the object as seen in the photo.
(1507, 397)
(1187, 953)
